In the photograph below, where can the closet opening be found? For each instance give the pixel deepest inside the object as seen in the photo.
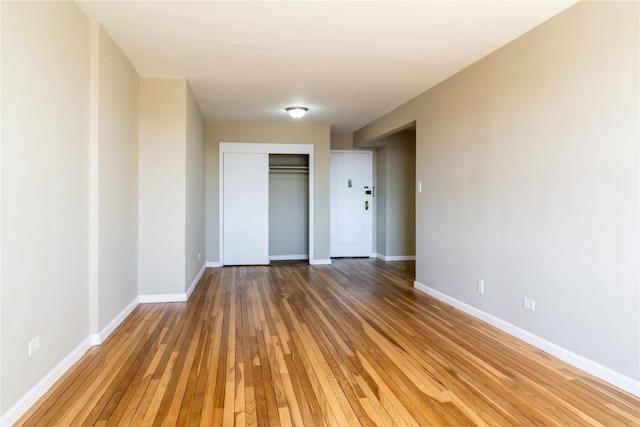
(288, 208)
(258, 223)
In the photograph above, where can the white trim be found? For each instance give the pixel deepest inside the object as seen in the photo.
(606, 374)
(196, 280)
(287, 257)
(149, 299)
(268, 148)
(213, 264)
(319, 261)
(37, 391)
(97, 339)
(337, 150)
(373, 255)
(396, 257)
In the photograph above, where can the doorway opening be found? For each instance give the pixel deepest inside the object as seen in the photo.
(396, 196)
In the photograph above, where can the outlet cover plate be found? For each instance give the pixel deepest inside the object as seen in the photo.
(34, 344)
(529, 304)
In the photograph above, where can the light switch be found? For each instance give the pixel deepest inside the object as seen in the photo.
(419, 186)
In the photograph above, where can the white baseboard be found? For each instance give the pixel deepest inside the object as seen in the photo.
(195, 281)
(148, 299)
(396, 257)
(213, 264)
(37, 391)
(606, 374)
(288, 257)
(31, 397)
(320, 261)
(99, 338)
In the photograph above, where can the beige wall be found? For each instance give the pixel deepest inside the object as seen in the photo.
(381, 201)
(171, 192)
(117, 168)
(529, 166)
(342, 141)
(195, 215)
(71, 170)
(162, 186)
(45, 189)
(396, 194)
(317, 134)
(401, 195)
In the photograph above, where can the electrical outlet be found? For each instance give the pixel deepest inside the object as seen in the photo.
(34, 344)
(529, 304)
(419, 186)
(481, 287)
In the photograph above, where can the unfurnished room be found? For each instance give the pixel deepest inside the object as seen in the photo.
(319, 213)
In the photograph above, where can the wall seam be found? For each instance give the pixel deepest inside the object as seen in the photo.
(94, 188)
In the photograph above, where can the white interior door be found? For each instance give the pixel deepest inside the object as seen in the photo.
(351, 203)
(245, 208)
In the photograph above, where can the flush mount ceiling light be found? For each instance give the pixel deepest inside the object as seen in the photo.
(296, 112)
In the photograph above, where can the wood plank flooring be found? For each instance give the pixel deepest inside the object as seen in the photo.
(343, 345)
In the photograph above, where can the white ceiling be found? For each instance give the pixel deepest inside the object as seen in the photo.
(348, 62)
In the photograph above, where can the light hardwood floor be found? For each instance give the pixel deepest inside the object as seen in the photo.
(348, 344)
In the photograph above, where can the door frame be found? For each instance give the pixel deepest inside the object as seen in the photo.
(374, 217)
(262, 148)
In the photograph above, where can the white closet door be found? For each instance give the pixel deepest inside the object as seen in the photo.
(246, 209)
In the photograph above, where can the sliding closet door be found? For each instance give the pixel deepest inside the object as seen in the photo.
(245, 208)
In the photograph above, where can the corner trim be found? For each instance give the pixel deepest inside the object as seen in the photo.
(196, 280)
(606, 374)
(152, 299)
(99, 338)
(396, 257)
(320, 261)
(149, 299)
(37, 391)
(213, 264)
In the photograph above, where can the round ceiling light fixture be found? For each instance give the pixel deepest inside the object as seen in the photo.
(296, 112)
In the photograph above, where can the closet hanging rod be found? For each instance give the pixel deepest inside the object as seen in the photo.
(289, 171)
(290, 167)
